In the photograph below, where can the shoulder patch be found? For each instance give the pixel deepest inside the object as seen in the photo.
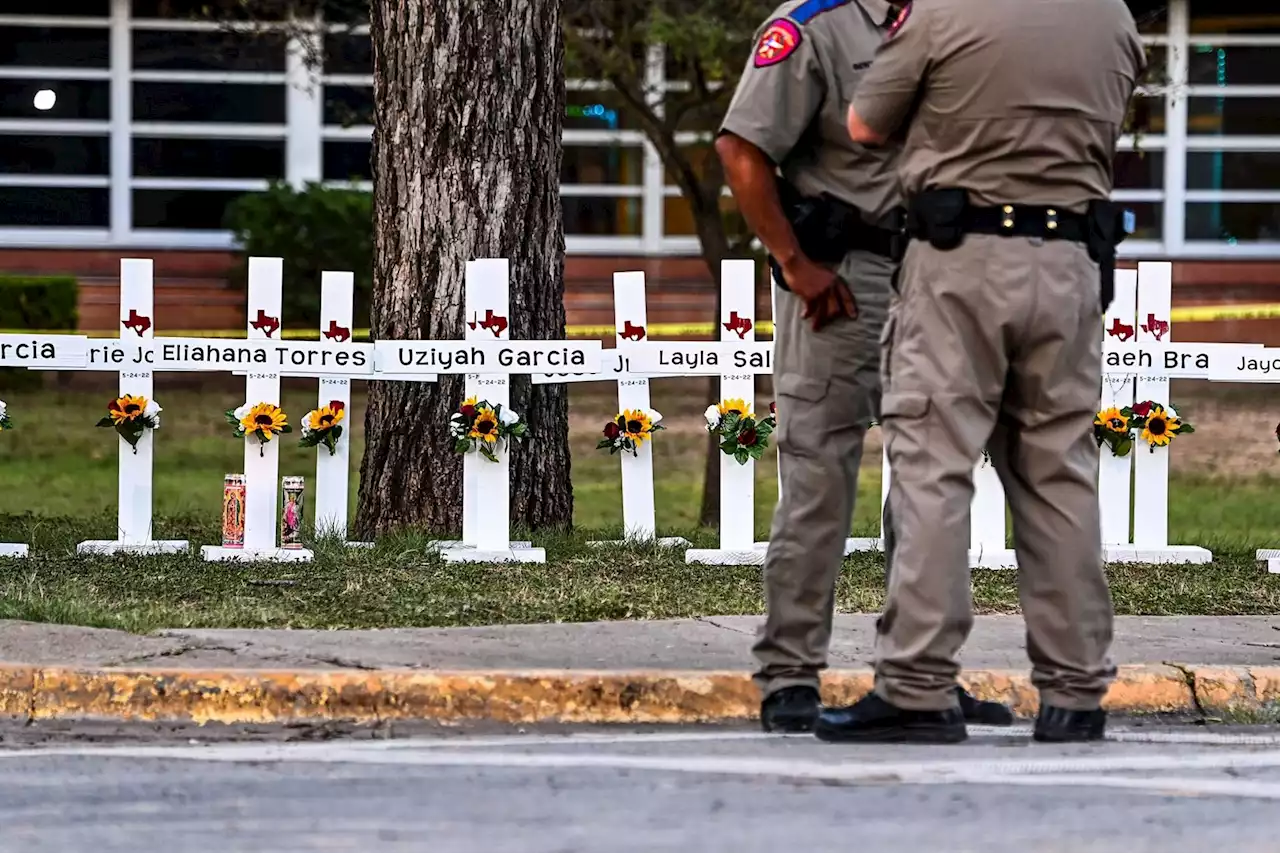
(898, 22)
(810, 9)
(778, 41)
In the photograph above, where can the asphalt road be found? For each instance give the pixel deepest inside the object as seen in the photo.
(1152, 787)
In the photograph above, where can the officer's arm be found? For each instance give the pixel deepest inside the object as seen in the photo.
(890, 87)
(750, 175)
(780, 92)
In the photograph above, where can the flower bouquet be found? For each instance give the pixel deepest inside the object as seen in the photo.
(5, 423)
(629, 430)
(742, 435)
(131, 416)
(324, 426)
(481, 426)
(263, 421)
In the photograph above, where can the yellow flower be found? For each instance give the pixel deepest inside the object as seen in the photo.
(1112, 420)
(267, 417)
(1160, 428)
(126, 408)
(485, 426)
(734, 406)
(636, 425)
(325, 417)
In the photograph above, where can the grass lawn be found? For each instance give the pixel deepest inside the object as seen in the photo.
(59, 477)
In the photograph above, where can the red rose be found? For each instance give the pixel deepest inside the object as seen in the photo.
(612, 431)
(773, 408)
(1142, 409)
(748, 437)
(468, 411)
(337, 405)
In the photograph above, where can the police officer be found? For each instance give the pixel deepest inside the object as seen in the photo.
(831, 222)
(1011, 110)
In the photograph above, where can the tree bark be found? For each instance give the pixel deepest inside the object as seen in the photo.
(469, 101)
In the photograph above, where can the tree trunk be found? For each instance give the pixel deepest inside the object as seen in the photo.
(469, 101)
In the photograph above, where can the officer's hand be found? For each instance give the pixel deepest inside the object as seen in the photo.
(807, 280)
(832, 304)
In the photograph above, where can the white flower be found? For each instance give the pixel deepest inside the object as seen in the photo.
(152, 409)
(3, 408)
(655, 417)
(242, 411)
(507, 417)
(306, 427)
(712, 414)
(1171, 412)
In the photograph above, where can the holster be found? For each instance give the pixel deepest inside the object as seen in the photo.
(1108, 227)
(937, 216)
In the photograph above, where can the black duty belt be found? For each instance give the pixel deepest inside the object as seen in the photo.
(1017, 220)
(874, 239)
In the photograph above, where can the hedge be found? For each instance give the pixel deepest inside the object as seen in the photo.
(38, 303)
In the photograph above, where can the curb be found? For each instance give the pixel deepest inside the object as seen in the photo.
(543, 696)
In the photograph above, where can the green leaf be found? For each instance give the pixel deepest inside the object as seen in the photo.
(742, 456)
(605, 444)
(462, 445)
(106, 422)
(487, 453)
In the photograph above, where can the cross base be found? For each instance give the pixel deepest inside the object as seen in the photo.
(855, 545)
(12, 549)
(458, 545)
(219, 554)
(753, 556)
(118, 546)
(661, 542)
(514, 554)
(1169, 554)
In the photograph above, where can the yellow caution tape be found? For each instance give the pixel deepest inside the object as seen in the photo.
(1212, 313)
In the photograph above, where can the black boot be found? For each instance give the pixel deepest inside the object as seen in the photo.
(1058, 725)
(982, 713)
(791, 710)
(873, 720)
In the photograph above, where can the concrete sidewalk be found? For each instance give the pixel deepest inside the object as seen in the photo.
(661, 671)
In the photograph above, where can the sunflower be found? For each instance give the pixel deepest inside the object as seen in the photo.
(1160, 427)
(485, 426)
(636, 425)
(1112, 420)
(325, 417)
(734, 406)
(126, 408)
(267, 419)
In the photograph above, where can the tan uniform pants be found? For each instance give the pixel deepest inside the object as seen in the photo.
(995, 343)
(827, 386)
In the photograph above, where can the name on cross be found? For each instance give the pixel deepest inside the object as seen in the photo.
(710, 358)
(37, 351)
(205, 354)
(487, 357)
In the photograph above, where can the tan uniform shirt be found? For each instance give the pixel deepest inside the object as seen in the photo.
(794, 95)
(1013, 100)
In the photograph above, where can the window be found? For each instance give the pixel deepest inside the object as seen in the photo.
(1234, 222)
(602, 164)
(345, 53)
(586, 215)
(76, 47)
(188, 210)
(53, 154)
(1139, 170)
(54, 207)
(1233, 17)
(208, 51)
(59, 8)
(208, 158)
(209, 102)
(348, 106)
(348, 161)
(69, 99)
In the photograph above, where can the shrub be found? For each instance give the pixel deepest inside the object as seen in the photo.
(39, 303)
(313, 229)
(36, 303)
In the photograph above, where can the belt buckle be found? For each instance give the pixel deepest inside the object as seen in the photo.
(1006, 217)
(1051, 220)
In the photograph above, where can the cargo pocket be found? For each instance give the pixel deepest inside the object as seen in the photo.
(802, 387)
(904, 404)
